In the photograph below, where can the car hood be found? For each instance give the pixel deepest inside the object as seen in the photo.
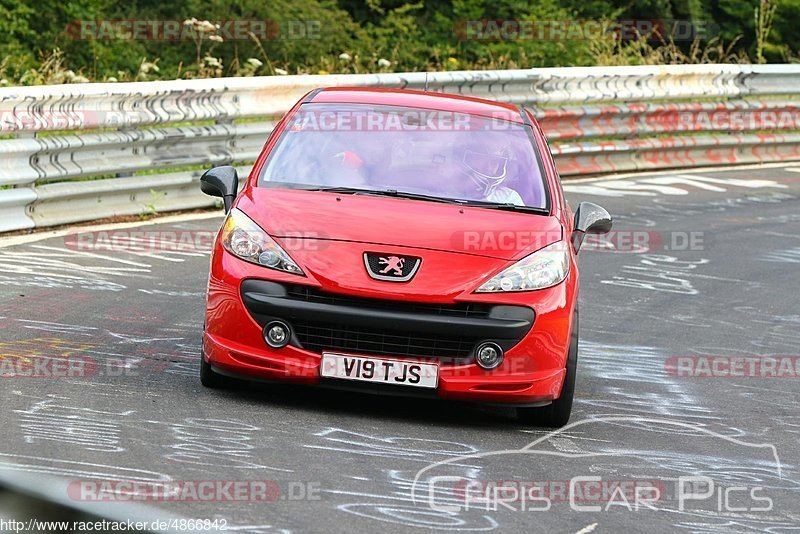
(377, 220)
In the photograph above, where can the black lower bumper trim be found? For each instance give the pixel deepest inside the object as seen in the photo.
(507, 322)
(382, 327)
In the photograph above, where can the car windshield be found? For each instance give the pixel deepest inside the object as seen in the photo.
(406, 150)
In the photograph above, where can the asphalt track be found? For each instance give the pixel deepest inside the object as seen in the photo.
(344, 462)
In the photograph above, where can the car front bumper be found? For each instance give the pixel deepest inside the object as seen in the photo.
(533, 328)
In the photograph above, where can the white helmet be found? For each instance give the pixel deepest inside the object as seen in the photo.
(486, 166)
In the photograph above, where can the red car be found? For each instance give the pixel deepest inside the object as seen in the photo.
(401, 242)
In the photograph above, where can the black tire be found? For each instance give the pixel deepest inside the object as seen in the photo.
(210, 378)
(556, 414)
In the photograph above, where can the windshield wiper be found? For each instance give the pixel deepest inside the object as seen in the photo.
(430, 198)
(506, 206)
(416, 196)
(385, 192)
(345, 190)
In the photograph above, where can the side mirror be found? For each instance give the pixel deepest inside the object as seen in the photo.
(221, 182)
(589, 219)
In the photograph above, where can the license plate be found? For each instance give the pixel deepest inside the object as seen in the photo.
(397, 372)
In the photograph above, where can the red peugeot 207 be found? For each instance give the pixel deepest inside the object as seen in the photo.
(404, 242)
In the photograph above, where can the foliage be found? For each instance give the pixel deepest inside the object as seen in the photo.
(43, 42)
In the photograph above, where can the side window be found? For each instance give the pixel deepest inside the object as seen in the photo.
(558, 176)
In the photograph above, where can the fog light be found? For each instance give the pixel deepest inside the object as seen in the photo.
(277, 334)
(489, 355)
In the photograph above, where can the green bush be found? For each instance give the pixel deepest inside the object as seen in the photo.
(39, 43)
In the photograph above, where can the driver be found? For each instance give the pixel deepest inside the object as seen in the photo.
(487, 168)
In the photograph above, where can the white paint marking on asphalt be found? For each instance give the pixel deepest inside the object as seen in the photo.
(173, 293)
(635, 185)
(604, 191)
(217, 443)
(39, 265)
(761, 390)
(724, 168)
(582, 437)
(666, 185)
(791, 255)
(781, 234)
(66, 252)
(89, 429)
(587, 529)
(685, 179)
(400, 447)
(39, 236)
(31, 261)
(125, 338)
(750, 183)
(58, 328)
(255, 529)
(76, 469)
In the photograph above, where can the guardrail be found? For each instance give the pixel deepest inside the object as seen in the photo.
(96, 140)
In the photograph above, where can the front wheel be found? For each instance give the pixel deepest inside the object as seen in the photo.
(556, 414)
(210, 378)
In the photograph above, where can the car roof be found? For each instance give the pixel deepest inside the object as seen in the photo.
(418, 99)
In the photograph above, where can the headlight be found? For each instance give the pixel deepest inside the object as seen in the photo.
(246, 240)
(544, 268)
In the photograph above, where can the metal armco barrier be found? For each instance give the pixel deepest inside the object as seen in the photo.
(95, 140)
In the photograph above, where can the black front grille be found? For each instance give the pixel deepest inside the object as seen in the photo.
(319, 336)
(311, 294)
(327, 321)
